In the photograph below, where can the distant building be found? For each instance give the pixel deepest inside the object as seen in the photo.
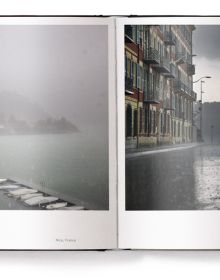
(159, 92)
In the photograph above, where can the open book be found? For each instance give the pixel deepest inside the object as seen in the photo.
(109, 133)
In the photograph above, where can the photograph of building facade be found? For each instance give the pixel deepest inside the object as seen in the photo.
(159, 92)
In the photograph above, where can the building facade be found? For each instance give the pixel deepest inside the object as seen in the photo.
(159, 92)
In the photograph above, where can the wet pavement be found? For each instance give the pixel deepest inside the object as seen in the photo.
(178, 179)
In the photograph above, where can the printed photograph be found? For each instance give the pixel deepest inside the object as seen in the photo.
(172, 111)
(54, 117)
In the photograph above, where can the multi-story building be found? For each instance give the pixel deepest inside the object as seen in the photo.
(159, 94)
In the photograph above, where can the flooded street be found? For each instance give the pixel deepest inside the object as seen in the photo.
(187, 179)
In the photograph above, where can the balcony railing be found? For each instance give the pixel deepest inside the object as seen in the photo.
(190, 69)
(152, 95)
(194, 95)
(169, 38)
(151, 56)
(182, 58)
(129, 85)
(173, 71)
(179, 86)
(128, 34)
(163, 67)
(161, 64)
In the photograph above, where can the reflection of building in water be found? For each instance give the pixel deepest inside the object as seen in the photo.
(206, 170)
(159, 92)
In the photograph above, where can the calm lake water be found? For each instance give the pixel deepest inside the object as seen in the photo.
(75, 165)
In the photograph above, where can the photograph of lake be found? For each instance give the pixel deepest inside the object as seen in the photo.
(54, 117)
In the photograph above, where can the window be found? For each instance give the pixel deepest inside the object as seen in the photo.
(138, 35)
(128, 67)
(142, 81)
(145, 84)
(155, 122)
(134, 33)
(168, 124)
(134, 73)
(135, 122)
(146, 120)
(165, 123)
(150, 122)
(141, 120)
(129, 121)
(139, 77)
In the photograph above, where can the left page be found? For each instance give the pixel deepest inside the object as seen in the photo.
(57, 141)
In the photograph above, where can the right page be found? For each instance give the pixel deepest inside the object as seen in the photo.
(168, 132)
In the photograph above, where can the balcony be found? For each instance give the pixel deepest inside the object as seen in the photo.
(163, 67)
(151, 96)
(181, 58)
(194, 95)
(129, 85)
(190, 69)
(151, 56)
(169, 38)
(128, 34)
(180, 87)
(172, 73)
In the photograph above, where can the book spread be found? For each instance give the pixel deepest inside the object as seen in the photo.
(109, 133)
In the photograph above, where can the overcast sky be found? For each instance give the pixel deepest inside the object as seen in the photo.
(206, 45)
(63, 68)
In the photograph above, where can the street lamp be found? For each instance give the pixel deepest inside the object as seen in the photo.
(204, 77)
(201, 91)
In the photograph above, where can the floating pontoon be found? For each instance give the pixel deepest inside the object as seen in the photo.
(40, 200)
(30, 195)
(21, 191)
(56, 205)
(73, 208)
(36, 197)
(9, 187)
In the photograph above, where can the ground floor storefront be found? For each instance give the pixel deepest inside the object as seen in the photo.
(150, 125)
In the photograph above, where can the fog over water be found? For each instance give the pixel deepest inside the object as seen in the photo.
(54, 110)
(61, 68)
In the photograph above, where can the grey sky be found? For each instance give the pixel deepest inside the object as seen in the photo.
(206, 45)
(63, 68)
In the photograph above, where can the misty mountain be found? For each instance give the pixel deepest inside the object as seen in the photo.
(211, 117)
(20, 116)
(62, 68)
(20, 107)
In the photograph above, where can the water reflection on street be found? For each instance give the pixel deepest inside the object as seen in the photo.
(207, 176)
(186, 179)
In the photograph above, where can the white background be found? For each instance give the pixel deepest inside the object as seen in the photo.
(110, 265)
